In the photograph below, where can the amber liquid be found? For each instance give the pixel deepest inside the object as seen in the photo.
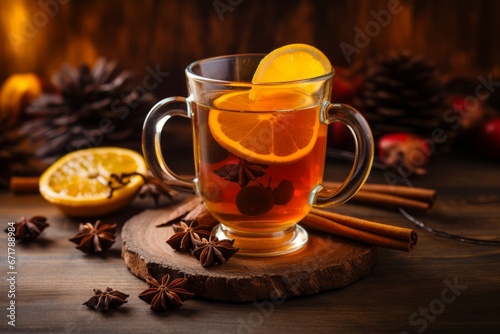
(255, 212)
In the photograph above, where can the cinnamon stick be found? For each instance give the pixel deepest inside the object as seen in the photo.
(188, 205)
(366, 225)
(23, 185)
(420, 194)
(389, 201)
(373, 233)
(391, 196)
(202, 216)
(29, 184)
(417, 193)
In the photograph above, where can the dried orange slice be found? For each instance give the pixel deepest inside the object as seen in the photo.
(262, 135)
(77, 183)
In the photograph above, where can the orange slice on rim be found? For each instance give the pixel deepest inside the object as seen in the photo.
(291, 63)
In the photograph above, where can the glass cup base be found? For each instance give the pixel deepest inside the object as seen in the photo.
(265, 244)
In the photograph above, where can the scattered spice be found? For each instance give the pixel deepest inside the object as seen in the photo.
(29, 229)
(185, 233)
(213, 251)
(168, 295)
(118, 181)
(153, 191)
(243, 172)
(202, 216)
(181, 210)
(148, 189)
(107, 299)
(94, 238)
(192, 233)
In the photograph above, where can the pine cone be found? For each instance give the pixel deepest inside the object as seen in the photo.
(93, 107)
(402, 94)
(8, 139)
(8, 155)
(15, 155)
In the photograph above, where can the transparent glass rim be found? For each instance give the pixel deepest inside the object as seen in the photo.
(193, 76)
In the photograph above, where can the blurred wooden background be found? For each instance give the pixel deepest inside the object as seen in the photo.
(459, 36)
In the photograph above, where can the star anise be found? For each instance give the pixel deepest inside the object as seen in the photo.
(165, 296)
(148, 189)
(213, 251)
(29, 229)
(242, 172)
(154, 191)
(94, 238)
(107, 299)
(185, 234)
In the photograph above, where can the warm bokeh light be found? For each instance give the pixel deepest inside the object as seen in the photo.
(14, 17)
(457, 37)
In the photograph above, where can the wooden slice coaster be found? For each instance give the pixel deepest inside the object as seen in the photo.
(327, 262)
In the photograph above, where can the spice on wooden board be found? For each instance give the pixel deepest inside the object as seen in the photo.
(213, 251)
(185, 234)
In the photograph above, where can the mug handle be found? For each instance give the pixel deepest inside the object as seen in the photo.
(363, 156)
(151, 144)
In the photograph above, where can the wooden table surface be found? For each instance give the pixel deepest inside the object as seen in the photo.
(443, 286)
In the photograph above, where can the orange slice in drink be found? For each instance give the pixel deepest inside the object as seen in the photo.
(273, 124)
(79, 182)
(262, 134)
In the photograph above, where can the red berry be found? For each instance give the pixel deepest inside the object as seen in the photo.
(472, 114)
(488, 139)
(404, 150)
(347, 84)
(342, 91)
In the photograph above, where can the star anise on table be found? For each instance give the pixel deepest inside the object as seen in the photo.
(107, 299)
(94, 238)
(185, 233)
(242, 173)
(29, 229)
(167, 295)
(213, 251)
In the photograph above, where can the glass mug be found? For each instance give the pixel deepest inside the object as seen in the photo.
(259, 151)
